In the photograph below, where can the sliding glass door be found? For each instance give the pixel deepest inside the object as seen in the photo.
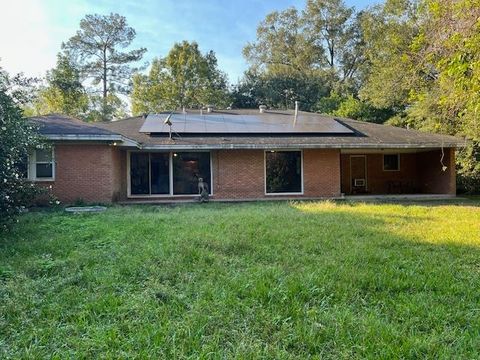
(150, 173)
(139, 174)
(188, 167)
(160, 173)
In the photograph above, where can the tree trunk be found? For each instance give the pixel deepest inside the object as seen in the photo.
(104, 81)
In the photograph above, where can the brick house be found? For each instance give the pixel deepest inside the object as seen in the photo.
(241, 154)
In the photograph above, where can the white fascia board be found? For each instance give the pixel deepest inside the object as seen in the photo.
(295, 146)
(72, 137)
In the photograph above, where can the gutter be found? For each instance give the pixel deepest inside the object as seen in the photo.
(83, 137)
(127, 142)
(297, 146)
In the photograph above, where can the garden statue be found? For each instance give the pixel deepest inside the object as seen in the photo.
(202, 190)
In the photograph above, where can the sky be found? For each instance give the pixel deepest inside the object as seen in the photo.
(31, 31)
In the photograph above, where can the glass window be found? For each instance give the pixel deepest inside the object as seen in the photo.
(159, 179)
(283, 171)
(188, 167)
(391, 162)
(43, 163)
(139, 174)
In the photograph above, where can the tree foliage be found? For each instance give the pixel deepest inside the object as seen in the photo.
(282, 45)
(184, 78)
(64, 92)
(278, 91)
(96, 49)
(389, 31)
(18, 136)
(425, 58)
(304, 55)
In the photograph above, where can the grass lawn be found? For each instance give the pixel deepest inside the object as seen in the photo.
(260, 280)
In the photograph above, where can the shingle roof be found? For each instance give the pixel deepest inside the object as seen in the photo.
(62, 125)
(365, 135)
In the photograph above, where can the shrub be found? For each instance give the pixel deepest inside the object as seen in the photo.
(17, 136)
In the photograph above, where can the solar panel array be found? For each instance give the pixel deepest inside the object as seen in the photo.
(231, 123)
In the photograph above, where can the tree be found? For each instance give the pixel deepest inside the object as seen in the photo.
(64, 92)
(333, 26)
(425, 60)
(184, 78)
(305, 55)
(96, 50)
(446, 98)
(18, 136)
(278, 91)
(389, 31)
(282, 46)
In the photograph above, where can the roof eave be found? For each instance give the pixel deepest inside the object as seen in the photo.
(296, 146)
(88, 137)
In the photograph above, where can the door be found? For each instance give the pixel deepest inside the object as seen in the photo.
(358, 174)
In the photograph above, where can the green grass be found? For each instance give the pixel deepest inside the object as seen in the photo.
(261, 280)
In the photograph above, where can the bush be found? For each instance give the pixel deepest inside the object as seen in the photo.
(468, 169)
(17, 136)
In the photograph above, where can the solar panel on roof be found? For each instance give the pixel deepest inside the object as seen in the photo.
(223, 123)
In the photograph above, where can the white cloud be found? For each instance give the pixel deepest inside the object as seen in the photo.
(26, 43)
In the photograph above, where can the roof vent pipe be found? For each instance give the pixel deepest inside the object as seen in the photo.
(296, 113)
(262, 108)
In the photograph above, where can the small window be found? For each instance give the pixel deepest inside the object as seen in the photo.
(391, 162)
(283, 172)
(44, 164)
(39, 165)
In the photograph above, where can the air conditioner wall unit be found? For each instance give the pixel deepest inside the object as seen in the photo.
(359, 182)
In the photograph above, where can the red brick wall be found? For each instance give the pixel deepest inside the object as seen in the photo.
(432, 180)
(119, 167)
(97, 173)
(240, 174)
(384, 182)
(321, 172)
(86, 172)
(419, 173)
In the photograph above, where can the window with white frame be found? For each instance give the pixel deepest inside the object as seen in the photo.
(41, 165)
(283, 172)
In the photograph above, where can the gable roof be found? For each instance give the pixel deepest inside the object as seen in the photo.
(362, 135)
